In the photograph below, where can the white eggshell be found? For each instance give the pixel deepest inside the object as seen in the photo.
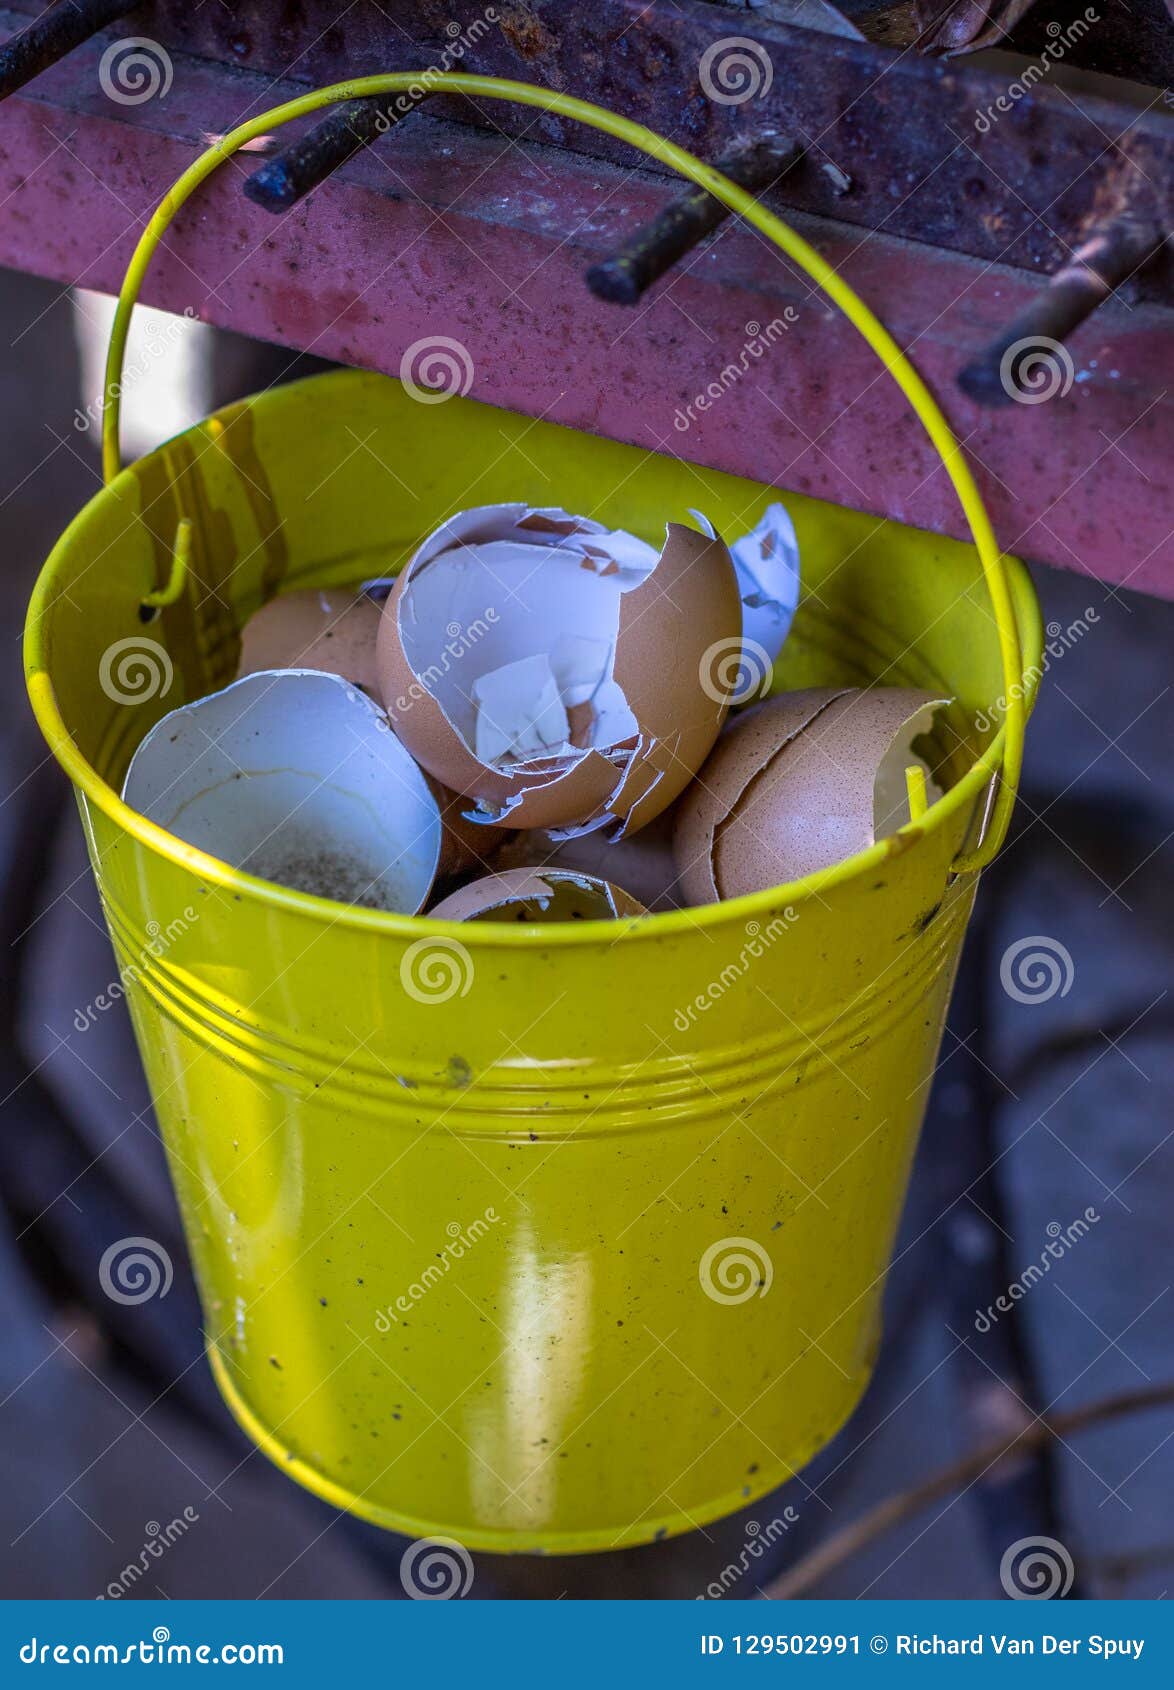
(295, 776)
(767, 565)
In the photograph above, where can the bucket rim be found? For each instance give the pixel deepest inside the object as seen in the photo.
(473, 935)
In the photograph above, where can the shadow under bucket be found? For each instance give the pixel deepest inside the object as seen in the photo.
(556, 1238)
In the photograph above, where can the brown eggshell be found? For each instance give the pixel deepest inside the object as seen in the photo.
(330, 629)
(688, 603)
(643, 862)
(790, 789)
(745, 749)
(687, 606)
(517, 895)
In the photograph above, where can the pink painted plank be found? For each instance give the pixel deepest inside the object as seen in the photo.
(441, 231)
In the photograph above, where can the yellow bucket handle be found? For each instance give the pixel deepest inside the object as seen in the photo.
(1004, 756)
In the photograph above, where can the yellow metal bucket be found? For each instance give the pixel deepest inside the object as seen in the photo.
(538, 1238)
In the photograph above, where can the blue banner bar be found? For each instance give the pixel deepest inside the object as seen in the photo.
(657, 1644)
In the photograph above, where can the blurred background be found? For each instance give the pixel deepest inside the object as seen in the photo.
(121, 1474)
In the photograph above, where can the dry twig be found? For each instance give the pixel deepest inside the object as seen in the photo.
(842, 1545)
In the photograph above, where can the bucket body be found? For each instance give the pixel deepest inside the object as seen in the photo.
(544, 1239)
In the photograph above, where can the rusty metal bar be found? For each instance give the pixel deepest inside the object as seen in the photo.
(53, 35)
(282, 181)
(1002, 197)
(642, 260)
(1002, 371)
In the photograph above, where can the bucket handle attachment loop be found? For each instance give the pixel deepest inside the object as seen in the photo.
(172, 589)
(1003, 757)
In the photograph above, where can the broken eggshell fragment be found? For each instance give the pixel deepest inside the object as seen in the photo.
(797, 783)
(332, 629)
(553, 670)
(538, 894)
(464, 845)
(295, 776)
(766, 563)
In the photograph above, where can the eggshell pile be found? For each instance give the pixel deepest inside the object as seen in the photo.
(539, 698)
(797, 783)
(538, 894)
(553, 670)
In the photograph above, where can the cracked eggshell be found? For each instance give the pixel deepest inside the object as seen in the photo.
(767, 565)
(538, 894)
(797, 783)
(295, 776)
(331, 629)
(581, 703)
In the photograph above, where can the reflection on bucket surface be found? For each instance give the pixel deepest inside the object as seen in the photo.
(567, 1381)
